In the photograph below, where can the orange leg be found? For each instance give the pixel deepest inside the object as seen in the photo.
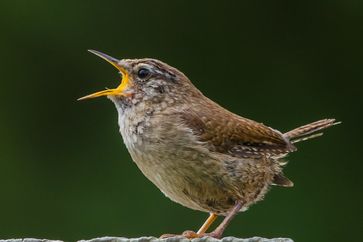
(212, 217)
(190, 234)
(218, 232)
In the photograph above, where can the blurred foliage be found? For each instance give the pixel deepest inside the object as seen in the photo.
(65, 173)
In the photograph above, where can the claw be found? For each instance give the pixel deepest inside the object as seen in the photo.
(191, 234)
(186, 234)
(165, 236)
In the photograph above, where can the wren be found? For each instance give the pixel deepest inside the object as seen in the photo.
(197, 153)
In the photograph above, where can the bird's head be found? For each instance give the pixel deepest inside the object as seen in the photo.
(144, 79)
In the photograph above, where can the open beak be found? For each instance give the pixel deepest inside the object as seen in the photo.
(124, 82)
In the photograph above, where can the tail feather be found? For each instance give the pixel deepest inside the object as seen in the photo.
(309, 131)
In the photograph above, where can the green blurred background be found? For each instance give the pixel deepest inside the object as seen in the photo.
(65, 173)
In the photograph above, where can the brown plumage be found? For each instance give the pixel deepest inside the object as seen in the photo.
(196, 152)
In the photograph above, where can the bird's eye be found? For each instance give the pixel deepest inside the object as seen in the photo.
(143, 73)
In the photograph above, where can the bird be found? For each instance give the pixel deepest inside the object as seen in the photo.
(196, 152)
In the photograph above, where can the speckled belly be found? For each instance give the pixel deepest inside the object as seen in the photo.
(189, 173)
(200, 182)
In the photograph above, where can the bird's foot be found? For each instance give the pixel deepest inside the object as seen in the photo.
(217, 234)
(186, 234)
(165, 236)
(192, 235)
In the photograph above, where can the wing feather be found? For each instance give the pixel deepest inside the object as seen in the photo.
(231, 134)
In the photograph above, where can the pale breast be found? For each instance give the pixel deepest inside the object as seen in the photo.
(169, 155)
